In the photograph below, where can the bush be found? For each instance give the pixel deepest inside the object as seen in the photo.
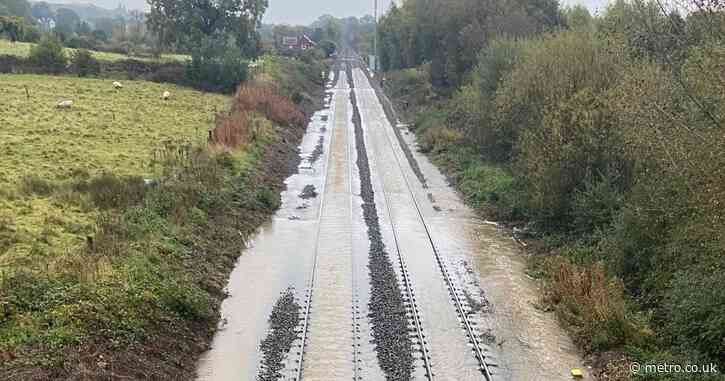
(83, 64)
(217, 73)
(80, 42)
(593, 304)
(696, 309)
(472, 106)
(491, 188)
(110, 192)
(266, 100)
(576, 144)
(550, 71)
(49, 55)
(31, 34)
(438, 140)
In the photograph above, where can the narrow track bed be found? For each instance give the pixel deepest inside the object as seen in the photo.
(387, 305)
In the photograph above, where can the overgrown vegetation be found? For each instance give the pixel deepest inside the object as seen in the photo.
(49, 55)
(602, 137)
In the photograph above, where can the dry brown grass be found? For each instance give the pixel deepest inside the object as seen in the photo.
(265, 99)
(591, 302)
(239, 127)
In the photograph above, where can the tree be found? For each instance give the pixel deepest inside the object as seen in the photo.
(105, 25)
(137, 26)
(12, 26)
(66, 21)
(578, 17)
(49, 55)
(83, 28)
(206, 24)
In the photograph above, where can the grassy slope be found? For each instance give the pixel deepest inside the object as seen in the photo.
(105, 131)
(22, 49)
(140, 300)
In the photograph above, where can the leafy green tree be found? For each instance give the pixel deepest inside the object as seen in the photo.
(66, 21)
(195, 25)
(49, 55)
(219, 35)
(12, 26)
(83, 63)
(105, 25)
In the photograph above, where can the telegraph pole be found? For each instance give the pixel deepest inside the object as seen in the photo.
(375, 43)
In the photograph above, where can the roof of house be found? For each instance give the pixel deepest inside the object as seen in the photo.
(308, 39)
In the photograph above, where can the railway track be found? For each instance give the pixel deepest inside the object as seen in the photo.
(409, 295)
(453, 290)
(307, 305)
(412, 307)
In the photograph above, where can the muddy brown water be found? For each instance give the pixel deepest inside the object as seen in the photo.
(328, 233)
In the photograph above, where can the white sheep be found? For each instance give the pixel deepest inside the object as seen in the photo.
(166, 95)
(64, 104)
(117, 85)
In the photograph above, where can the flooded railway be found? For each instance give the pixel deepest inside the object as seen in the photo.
(377, 274)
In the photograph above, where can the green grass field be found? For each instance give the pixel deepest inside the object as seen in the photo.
(105, 131)
(106, 276)
(22, 49)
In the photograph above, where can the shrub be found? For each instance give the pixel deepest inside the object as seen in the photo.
(696, 309)
(110, 192)
(31, 34)
(472, 106)
(49, 55)
(218, 72)
(84, 64)
(592, 303)
(576, 144)
(492, 188)
(437, 140)
(266, 100)
(550, 71)
(231, 131)
(80, 42)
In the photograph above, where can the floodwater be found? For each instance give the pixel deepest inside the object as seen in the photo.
(328, 234)
(280, 256)
(524, 342)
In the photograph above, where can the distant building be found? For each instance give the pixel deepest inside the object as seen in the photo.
(302, 42)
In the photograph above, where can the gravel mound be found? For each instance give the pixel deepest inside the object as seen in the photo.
(308, 192)
(283, 331)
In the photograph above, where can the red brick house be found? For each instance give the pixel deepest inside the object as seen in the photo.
(302, 42)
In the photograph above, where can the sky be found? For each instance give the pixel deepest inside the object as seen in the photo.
(304, 12)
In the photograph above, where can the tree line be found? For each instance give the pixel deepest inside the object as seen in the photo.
(79, 26)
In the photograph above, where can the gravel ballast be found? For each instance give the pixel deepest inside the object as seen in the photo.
(387, 306)
(283, 324)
